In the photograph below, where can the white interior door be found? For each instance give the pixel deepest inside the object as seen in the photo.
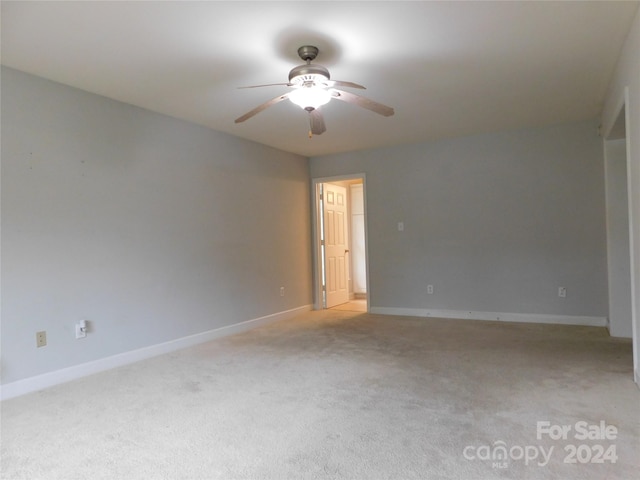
(335, 245)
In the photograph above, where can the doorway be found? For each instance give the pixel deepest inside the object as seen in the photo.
(340, 247)
(618, 241)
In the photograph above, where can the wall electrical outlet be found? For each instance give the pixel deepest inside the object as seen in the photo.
(562, 292)
(41, 339)
(282, 291)
(430, 289)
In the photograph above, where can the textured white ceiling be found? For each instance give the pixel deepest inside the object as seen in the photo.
(448, 68)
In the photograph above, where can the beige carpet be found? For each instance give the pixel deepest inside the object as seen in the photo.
(340, 395)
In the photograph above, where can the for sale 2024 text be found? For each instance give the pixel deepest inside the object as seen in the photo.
(582, 431)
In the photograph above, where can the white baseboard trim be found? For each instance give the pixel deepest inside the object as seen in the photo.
(50, 379)
(495, 316)
(636, 375)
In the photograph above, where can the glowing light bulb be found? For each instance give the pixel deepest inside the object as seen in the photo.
(310, 98)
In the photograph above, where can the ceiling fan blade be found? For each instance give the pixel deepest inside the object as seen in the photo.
(317, 122)
(268, 85)
(260, 108)
(363, 102)
(339, 83)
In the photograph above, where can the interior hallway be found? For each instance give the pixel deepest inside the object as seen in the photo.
(356, 305)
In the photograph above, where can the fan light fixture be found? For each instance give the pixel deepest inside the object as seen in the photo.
(310, 98)
(313, 88)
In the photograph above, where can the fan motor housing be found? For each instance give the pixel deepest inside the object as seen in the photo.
(306, 73)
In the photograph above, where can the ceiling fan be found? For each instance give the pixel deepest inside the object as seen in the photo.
(313, 88)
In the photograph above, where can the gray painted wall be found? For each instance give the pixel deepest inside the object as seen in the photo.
(495, 222)
(149, 227)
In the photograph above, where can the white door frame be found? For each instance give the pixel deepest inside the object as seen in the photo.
(315, 235)
(623, 103)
